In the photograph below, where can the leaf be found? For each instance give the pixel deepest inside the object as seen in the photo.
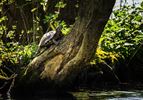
(13, 26)
(60, 5)
(138, 18)
(34, 9)
(3, 18)
(142, 4)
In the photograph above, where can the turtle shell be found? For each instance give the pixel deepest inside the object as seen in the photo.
(46, 38)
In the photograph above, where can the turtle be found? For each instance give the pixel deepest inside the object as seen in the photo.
(50, 36)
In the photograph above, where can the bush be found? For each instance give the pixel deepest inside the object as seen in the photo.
(123, 32)
(14, 57)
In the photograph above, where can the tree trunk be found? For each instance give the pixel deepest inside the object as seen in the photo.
(61, 63)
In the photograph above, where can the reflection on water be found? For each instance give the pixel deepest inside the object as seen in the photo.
(109, 95)
(82, 95)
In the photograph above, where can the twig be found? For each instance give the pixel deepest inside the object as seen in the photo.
(12, 83)
(5, 85)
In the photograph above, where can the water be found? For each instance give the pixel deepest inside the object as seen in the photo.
(109, 95)
(83, 95)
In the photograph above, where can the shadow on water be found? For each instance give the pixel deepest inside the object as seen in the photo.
(42, 95)
(80, 95)
(46, 95)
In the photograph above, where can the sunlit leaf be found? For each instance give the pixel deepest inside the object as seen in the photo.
(3, 18)
(60, 5)
(34, 9)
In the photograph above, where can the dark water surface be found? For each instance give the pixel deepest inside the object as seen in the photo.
(80, 95)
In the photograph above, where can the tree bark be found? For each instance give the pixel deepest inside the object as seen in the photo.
(62, 63)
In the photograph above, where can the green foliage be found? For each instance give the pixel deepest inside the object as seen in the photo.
(124, 31)
(14, 57)
(122, 36)
(27, 53)
(3, 18)
(12, 54)
(53, 21)
(60, 4)
(52, 18)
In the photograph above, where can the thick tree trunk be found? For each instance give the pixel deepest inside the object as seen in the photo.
(62, 63)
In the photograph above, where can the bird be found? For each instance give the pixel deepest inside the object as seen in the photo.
(50, 37)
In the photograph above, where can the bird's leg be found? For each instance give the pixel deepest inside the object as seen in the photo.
(55, 42)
